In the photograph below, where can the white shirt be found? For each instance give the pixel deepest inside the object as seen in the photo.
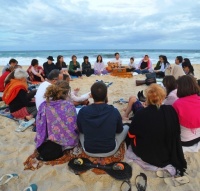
(163, 68)
(39, 96)
(119, 61)
(132, 65)
(189, 134)
(74, 96)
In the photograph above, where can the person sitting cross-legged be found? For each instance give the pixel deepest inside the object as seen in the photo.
(155, 133)
(100, 125)
(56, 118)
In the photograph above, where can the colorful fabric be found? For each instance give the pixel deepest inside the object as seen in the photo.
(59, 118)
(21, 114)
(77, 152)
(149, 64)
(188, 109)
(12, 89)
(2, 79)
(137, 106)
(31, 74)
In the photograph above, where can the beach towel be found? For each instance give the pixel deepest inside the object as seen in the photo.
(6, 113)
(32, 163)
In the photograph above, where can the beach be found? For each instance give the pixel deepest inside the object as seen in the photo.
(17, 147)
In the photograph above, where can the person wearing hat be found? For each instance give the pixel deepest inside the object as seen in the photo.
(49, 65)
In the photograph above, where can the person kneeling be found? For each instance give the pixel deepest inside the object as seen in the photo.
(100, 125)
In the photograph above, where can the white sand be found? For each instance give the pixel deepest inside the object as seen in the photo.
(16, 147)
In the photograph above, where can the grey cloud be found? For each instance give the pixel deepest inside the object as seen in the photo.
(64, 24)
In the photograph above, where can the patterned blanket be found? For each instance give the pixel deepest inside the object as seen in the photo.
(32, 163)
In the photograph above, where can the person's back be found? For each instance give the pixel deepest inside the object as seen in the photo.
(155, 132)
(152, 143)
(188, 109)
(99, 123)
(39, 96)
(58, 114)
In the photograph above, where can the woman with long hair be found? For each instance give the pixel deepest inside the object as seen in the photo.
(86, 67)
(188, 109)
(187, 67)
(60, 62)
(161, 66)
(170, 85)
(99, 67)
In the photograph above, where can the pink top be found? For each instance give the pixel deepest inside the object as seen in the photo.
(188, 110)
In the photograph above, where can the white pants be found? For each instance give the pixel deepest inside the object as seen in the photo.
(119, 138)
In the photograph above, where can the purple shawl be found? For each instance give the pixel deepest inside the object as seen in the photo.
(60, 117)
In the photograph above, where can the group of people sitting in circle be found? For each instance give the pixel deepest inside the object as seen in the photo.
(157, 132)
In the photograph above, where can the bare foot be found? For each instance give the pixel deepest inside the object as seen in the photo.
(124, 109)
(125, 118)
(29, 117)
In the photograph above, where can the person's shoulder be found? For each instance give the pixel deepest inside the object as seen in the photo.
(112, 108)
(42, 105)
(85, 109)
(44, 85)
(167, 108)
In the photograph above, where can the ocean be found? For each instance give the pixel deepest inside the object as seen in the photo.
(25, 57)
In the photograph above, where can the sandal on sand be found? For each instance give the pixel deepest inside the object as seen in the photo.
(24, 125)
(141, 182)
(177, 181)
(163, 174)
(32, 187)
(125, 186)
(6, 178)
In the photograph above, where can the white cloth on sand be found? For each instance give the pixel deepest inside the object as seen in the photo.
(146, 166)
(195, 148)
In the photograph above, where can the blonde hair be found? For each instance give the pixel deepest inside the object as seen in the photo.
(155, 95)
(58, 91)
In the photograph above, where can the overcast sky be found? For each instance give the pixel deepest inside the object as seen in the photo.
(99, 24)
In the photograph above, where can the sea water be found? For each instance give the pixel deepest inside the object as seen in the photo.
(25, 57)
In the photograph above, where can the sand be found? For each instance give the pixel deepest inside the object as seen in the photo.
(16, 147)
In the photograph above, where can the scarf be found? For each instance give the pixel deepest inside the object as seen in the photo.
(12, 89)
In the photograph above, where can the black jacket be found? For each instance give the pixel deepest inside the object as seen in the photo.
(158, 139)
(48, 68)
(20, 101)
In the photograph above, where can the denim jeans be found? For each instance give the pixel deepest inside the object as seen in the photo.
(142, 71)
